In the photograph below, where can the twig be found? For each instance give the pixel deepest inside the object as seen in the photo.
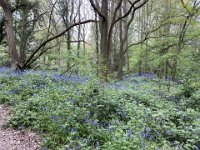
(68, 69)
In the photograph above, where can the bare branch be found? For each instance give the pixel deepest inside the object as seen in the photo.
(52, 38)
(42, 52)
(68, 69)
(147, 35)
(184, 5)
(96, 9)
(35, 19)
(50, 17)
(131, 8)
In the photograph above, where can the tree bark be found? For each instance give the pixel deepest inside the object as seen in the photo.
(23, 37)
(104, 25)
(79, 29)
(121, 52)
(10, 33)
(97, 43)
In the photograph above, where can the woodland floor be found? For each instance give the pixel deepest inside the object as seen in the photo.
(11, 139)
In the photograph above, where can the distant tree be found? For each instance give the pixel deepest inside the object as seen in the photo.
(24, 62)
(107, 23)
(192, 10)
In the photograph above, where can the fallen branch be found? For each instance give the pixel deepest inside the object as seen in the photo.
(68, 69)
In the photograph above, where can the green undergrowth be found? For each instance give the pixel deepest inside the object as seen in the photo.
(71, 114)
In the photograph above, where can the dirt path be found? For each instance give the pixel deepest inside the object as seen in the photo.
(13, 139)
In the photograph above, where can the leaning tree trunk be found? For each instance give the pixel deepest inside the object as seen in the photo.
(10, 33)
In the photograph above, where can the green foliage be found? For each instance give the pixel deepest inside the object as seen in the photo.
(72, 113)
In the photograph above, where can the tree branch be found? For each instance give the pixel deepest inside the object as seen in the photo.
(96, 9)
(68, 69)
(131, 8)
(52, 38)
(35, 19)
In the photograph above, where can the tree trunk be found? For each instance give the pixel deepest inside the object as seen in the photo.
(141, 25)
(121, 53)
(180, 45)
(146, 21)
(97, 43)
(69, 48)
(127, 57)
(79, 29)
(10, 33)
(23, 37)
(104, 25)
(125, 40)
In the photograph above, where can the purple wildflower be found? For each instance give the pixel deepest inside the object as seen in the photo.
(196, 148)
(94, 122)
(129, 133)
(78, 147)
(151, 137)
(86, 120)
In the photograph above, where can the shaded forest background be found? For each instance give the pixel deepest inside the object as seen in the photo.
(108, 38)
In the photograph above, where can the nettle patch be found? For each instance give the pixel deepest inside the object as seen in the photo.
(72, 112)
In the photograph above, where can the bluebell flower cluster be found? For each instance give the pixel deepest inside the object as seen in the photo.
(148, 75)
(70, 78)
(54, 118)
(70, 110)
(129, 133)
